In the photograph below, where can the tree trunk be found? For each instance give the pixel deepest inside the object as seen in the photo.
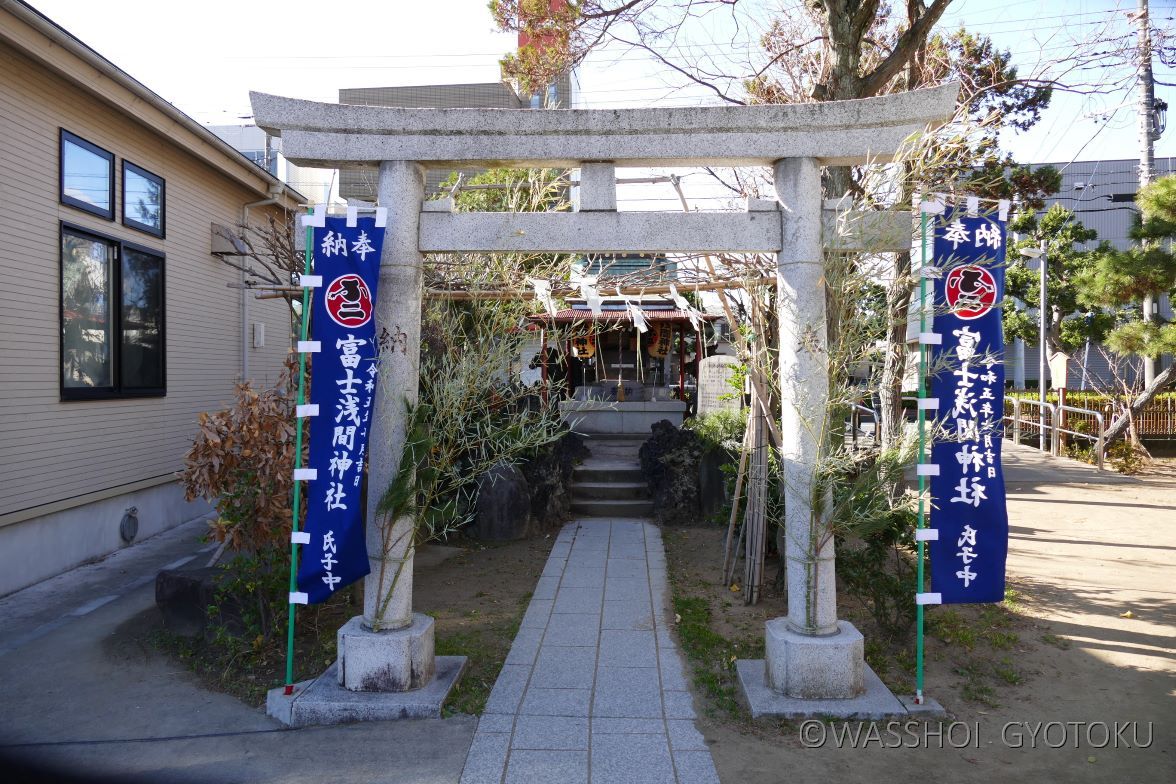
(898, 300)
(1120, 425)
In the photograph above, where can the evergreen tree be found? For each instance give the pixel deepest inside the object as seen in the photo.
(1069, 323)
(1118, 280)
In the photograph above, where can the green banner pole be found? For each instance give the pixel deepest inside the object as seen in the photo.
(304, 331)
(922, 523)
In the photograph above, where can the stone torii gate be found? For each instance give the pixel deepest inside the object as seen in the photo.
(810, 653)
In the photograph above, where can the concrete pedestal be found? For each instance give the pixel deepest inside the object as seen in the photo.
(814, 668)
(323, 701)
(386, 661)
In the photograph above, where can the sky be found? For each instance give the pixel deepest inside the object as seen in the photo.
(206, 57)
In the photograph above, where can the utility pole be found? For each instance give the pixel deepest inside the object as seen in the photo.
(1147, 135)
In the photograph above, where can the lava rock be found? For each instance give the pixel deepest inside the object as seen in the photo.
(504, 505)
(670, 460)
(549, 480)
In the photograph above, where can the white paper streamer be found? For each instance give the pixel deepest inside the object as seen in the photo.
(591, 296)
(638, 317)
(595, 302)
(679, 301)
(543, 293)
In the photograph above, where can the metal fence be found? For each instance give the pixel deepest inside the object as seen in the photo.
(1048, 424)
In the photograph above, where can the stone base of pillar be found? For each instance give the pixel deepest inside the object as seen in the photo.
(386, 661)
(323, 701)
(814, 668)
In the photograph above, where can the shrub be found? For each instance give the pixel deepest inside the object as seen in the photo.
(242, 461)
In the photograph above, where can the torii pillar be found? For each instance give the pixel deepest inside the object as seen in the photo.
(809, 654)
(390, 648)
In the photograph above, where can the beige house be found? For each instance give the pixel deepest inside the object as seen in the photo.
(117, 323)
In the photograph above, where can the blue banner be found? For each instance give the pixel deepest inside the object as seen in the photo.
(343, 383)
(967, 377)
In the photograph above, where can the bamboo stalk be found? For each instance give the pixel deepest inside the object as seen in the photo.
(735, 501)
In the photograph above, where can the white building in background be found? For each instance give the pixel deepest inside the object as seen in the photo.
(320, 186)
(1102, 196)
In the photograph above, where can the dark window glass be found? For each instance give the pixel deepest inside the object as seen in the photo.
(141, 360)
(112, 318)
(86, 314)
(142, 199)
(87, 176)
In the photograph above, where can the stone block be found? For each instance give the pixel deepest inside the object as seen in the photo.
(503, 511)
(684, 736)
(626, 588)
(578, 600)
(486, 759)
(324, 701)
(695, 767)
(808, 667)
(556, 702)
(679, 704)
(538, 611)
(529, 767)
(627, 648)
(628, 615)
(508, 689)
(386, 661)
(183, 596)
(559, 733)
(628, 567)
(606, 726)
(627, 693)
(631, 759)
(875, 702)
(564, 668)
(572, 629)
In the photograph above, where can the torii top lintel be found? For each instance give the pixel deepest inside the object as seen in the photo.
(835, 133)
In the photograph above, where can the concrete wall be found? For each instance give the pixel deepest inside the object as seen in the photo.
(42, 547)
(66, 468)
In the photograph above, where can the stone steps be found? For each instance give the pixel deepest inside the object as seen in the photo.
(616, 491)
(601, 507)
(610, 471)
(610, 482)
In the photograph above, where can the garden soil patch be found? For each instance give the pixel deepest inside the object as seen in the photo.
(1085, 639)
(476, 593)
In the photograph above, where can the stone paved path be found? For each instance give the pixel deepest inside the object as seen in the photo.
(593, 689)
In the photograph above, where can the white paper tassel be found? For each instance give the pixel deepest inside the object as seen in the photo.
(543, 293)
(638, 318)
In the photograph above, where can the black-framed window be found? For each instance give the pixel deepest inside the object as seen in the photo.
(112, 318)
(142, 199)
(86, 176)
